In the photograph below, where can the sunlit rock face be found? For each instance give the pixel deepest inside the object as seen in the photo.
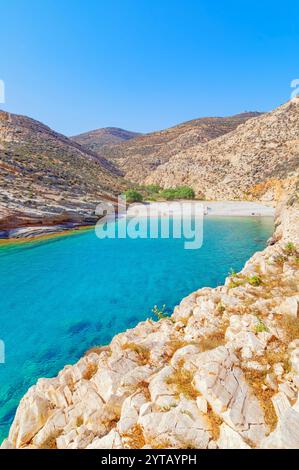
(258, 160)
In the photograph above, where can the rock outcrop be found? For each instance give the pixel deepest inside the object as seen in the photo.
(221, 372)
(258, 160)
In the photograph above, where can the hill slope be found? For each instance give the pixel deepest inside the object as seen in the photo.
(95, 140)
(137, 158)
(44, 175)
(257, 160)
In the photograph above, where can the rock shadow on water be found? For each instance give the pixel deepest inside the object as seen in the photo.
(79, 327)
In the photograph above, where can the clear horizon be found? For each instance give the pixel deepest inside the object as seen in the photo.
(144, 66)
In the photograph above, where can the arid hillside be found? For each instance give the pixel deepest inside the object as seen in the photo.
(137, 158)
(258, 160)
(46, 177)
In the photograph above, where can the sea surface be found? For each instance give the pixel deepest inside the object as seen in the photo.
(63, 295)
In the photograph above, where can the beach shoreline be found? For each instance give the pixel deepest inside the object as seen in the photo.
(148, 209)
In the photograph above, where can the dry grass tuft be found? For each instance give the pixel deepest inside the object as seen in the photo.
(134, 438)
(216, 339)
(256, 378)
(173, 345)
(143, 387)
(143, 353)
(50, 442)
(215, 422)
(181, 379)
(90, 371)
(290, 326)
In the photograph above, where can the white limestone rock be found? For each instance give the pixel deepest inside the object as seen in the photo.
(130, 412)
(182, 426)
(222, 383)
(230, 439)
(111, 441)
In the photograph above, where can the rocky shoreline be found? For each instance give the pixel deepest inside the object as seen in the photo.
(35, 232)
(221, 372)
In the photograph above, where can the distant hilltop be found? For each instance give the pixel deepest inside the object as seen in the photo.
(138, 157)
(95, 140)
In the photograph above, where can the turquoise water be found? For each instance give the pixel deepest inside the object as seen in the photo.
(64, 295)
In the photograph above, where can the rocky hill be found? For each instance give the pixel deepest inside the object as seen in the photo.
(46, 178)
(222, 372)
(137, 158)
(97, 139)
(258, 160)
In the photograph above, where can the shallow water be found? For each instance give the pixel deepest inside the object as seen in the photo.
(61, 296)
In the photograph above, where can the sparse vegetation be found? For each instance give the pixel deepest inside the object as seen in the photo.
(237, 280)
(180, 192)
(215, 339)
(133, 196)
(254, 280)
(152, 188)
(290, 249)
(220, 308)
(232, 273)
(256, 378)
(134, 438)
(143, 353)
(280, 259)
(215, 422)
(160, 313)
(153, 192)
(90, 371)
(290, 326)
(181, 380)
(260, 327)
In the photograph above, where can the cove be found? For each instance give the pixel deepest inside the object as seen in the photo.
(61, 296)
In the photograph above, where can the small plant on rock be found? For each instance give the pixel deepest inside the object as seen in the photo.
(232, 272)
(160, 312)
(254, 280)
(260, 327)
(220, 308)
(290, 249)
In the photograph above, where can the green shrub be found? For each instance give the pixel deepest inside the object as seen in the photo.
(152, 188)
(254, 280)
(168, 194)
(133, 196)
(180, 192)
(185, 192)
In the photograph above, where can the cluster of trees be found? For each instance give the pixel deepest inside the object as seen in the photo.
(154, 192)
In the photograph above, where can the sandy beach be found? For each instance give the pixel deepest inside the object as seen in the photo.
(207, 208)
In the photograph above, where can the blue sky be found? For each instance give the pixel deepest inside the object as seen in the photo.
(144, 65)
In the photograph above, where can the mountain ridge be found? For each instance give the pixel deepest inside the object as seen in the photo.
(138, 157)
(255, 161)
